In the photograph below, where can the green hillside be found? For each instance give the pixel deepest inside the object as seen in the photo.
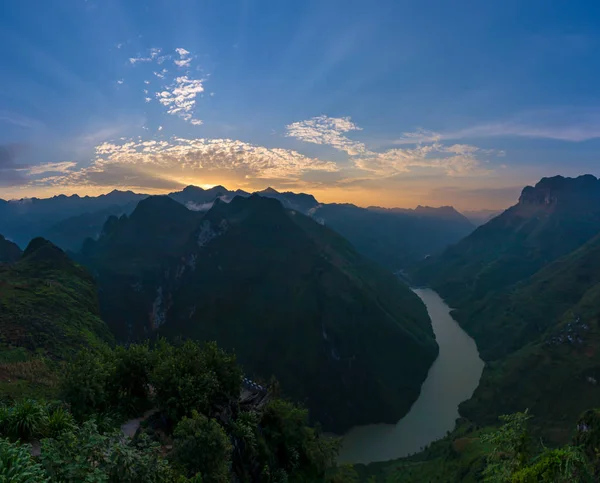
(290, 296)
(9, 251)
(48, 303)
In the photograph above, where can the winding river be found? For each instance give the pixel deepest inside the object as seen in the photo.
(452, 379)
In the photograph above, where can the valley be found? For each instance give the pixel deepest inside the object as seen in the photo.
(303, 295)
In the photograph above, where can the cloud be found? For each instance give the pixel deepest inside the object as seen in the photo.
(563, 124)
(152, 55)
(121, 81)
(160, 128)
(328, 131)
(454, 160)
(165, 164)
(184, 58)
(180, 98)
(62, 167)
(10, 171)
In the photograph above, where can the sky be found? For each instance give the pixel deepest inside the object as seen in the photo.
(379, 102)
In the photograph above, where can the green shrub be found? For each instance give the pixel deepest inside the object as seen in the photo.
(202, 446)
(192, 376)
(130, 381)
(17, 466)
(26, 419)
(58, 421)
(85, 384)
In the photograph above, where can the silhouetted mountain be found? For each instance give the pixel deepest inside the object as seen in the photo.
(526, 286)
(290, 296)
(49, 304)
(394, 238)
(550, 220)
(21, 220)
(480, 217)
(294, 201)
(9, 251)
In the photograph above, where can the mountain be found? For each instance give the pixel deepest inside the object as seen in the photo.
(301, 202)
(480, 217)
(394, 238)
(9, 251)
(441, 213)
(526, 286)
(24, 219)
(551, 322)
(70, 233)
(550, 220)
(48, 303)
(290, 296)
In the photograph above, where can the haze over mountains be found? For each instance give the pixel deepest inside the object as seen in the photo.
(394, 237)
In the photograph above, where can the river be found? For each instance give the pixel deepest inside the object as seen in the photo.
(452, 379)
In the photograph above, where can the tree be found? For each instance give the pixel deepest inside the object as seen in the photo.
(194, 377)
(130, 382)
(85, 383)
(511, 445)
(289, 444)
(201, 446)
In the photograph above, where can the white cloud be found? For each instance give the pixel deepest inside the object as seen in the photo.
(146, 82)
(62, 167)
(120, 81)
(118, 46)
(183, 62)
(138, 163)
(180, 97)
(563, 124)
(160, 128)
(454, 160)
(147, 99)
(135, 60)
(184, 58)
(329, 131)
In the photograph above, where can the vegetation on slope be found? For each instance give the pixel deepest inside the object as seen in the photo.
(198, 432)
(290, 296)
(9, 251)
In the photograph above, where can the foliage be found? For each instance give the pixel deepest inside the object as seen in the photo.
(48, 303)
(58, 421)
(131, 378)
(563, 465)
(193, 376)
(290, 296)
(201, 446)
(25, 420)
(17, 465)
(288, 444)
(512, 447)
(85, 383)
(85, 454)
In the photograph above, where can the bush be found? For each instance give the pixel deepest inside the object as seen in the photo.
(130, 381)
(194, 377)
(85, 384)
(17, 466)
(26, 420)
(202, 446)
(85, 454)
(58, 421)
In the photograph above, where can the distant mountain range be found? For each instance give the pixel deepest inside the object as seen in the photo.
(290, 296)
(393, 237)
(526, 286)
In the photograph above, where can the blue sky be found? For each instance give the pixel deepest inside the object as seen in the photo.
(383, 102)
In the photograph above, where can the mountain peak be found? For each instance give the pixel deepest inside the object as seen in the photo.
(268, 191)
(558, 189)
